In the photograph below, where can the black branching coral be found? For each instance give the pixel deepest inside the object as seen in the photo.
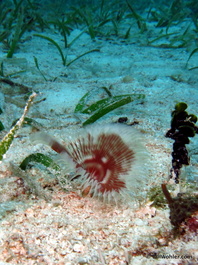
(182, 127)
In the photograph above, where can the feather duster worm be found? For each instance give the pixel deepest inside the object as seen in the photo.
(108, 158)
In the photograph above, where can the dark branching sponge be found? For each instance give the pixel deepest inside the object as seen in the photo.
(182, 127)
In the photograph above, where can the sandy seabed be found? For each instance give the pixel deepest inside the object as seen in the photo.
(60, 226)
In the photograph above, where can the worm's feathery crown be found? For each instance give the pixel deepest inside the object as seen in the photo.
(108, 158)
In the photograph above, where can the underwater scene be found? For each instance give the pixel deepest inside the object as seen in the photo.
(98, 132)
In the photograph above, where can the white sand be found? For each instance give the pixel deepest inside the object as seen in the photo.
(69, 229)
